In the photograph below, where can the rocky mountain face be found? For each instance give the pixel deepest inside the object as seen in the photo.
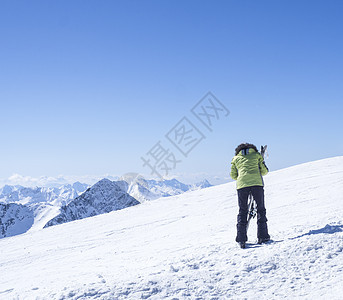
(103, 197)
(14, 219)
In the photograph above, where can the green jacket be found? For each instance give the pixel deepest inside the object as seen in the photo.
(248, 168)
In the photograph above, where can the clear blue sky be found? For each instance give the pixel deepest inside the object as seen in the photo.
(88, 87)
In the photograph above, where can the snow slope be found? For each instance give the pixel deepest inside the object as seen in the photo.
(182, 247)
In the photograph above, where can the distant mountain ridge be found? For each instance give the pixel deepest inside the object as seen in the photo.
(55, 205)
(148, 189)
(43, 202)
(52, 195)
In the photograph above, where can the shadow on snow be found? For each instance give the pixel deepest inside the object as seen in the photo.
(328, 229)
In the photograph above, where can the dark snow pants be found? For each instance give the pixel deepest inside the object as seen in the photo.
(258, 195)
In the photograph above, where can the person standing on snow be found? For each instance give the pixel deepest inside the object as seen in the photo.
(248, 167)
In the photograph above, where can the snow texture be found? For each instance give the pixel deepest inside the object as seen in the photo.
(182, 247)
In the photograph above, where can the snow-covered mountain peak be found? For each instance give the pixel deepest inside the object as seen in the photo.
(8, 189)
(132, 178)
(103, 183)
(5, 190)
(103, 197)
(149, 189)
(79, 187)
(201, 185)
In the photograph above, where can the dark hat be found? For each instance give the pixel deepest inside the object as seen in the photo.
(245, 146)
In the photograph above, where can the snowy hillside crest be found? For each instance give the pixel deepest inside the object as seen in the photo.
(183, 246)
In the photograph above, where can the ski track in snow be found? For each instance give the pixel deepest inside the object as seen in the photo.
(182, 247)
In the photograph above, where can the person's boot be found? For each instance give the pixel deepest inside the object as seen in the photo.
(263, 240)
(241, 244)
